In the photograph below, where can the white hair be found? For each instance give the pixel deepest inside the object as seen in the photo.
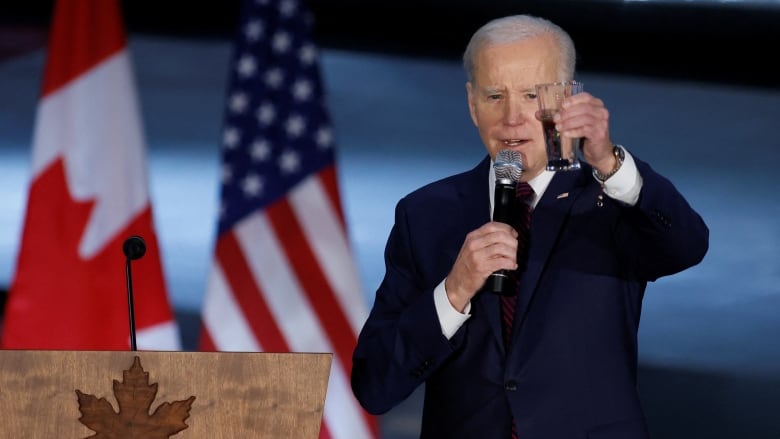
(518, 28)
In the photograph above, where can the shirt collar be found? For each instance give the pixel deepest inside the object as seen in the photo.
(538, 183)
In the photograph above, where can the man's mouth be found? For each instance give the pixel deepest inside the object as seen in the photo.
(514, 142)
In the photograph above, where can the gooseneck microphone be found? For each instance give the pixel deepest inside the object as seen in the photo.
(508, 167)
(134, 248)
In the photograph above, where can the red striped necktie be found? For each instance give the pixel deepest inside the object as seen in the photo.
(522, 225)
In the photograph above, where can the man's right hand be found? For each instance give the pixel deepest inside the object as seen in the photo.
(485, 250)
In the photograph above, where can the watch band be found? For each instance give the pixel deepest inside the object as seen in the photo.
(620, 155)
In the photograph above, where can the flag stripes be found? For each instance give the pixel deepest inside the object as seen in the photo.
(313, 284)
(248, 297)
(319, 213)
(221, 310)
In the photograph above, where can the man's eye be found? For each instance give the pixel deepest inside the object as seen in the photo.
(530, 96)
(494, 97)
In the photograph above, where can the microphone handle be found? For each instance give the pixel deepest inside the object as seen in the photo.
(501, 282)
(130, 306)
(504, 201)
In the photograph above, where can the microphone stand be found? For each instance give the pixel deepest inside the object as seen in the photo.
(130, 306)
(133, 248)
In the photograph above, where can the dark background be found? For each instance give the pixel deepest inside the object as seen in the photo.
(709, 40)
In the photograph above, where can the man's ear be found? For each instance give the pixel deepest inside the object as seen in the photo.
(471, 98)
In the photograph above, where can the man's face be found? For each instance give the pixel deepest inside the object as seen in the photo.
(502, 99)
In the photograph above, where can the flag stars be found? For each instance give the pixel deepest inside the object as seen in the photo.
(260, 150)
(246, 66)
(252, 185)
(307, 54)
(288, 7)
(266, 113)
(253, 30)
(238, 102)
(231, 137)
(295, 126)
(302, 90)
(276, 129)
(274, 77)
(290, 162)
(324, 138)
(281, 42)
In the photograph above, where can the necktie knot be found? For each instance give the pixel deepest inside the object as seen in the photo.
(524, 191)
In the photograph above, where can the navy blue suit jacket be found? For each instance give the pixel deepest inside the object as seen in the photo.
(570, 370)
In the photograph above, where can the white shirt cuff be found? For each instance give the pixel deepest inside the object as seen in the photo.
(450, 319)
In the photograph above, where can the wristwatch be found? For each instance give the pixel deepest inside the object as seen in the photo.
(620, 155)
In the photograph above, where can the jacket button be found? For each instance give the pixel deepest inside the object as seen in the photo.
(510, 385)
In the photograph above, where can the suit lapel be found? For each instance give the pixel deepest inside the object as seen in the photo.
(473, 192)
(546, 222)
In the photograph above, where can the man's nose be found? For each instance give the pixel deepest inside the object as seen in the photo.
(515, 113)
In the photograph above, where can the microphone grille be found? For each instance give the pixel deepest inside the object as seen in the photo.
(508, 165)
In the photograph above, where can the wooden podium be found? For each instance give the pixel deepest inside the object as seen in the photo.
(148, 394)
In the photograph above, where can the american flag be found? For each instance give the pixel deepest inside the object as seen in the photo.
(283, 277)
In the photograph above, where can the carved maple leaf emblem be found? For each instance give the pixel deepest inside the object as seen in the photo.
(134, 395)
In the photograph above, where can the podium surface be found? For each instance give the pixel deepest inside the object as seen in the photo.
(236, 394)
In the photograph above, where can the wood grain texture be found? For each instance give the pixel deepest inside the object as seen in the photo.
(238, 394)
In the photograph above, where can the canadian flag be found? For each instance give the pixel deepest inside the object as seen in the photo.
(87, 195)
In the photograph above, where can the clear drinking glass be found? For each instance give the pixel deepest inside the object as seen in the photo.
(562, 152)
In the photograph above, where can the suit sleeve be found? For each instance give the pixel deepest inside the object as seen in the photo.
(401, 343)
(663, 234)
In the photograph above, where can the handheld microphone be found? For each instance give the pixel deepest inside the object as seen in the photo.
(133, 248)
(508, 167)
